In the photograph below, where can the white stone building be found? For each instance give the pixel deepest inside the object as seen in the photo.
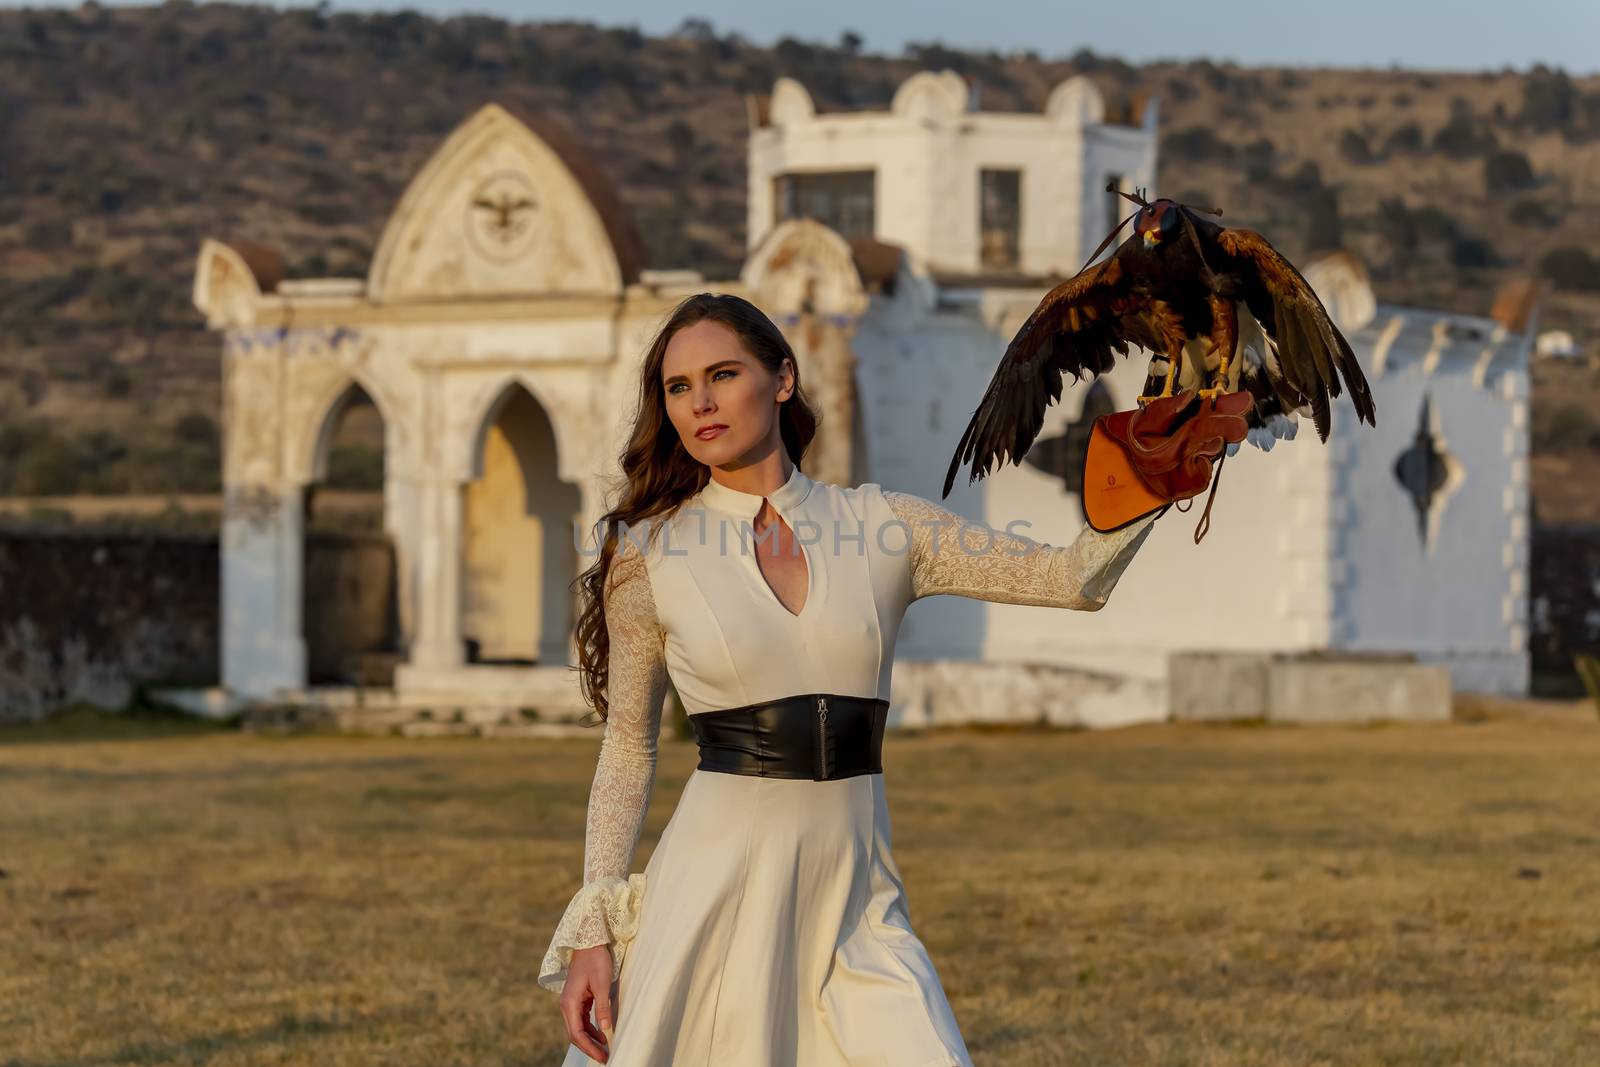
(500, 330)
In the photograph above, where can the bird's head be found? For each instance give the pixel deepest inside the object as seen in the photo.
(1157, 222)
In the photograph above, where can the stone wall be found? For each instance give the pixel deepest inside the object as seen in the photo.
(87, 616)
(350, 614)
(1306, 687)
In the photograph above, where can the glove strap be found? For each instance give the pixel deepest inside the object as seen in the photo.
(1204, 526)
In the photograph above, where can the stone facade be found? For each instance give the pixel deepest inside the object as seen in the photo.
(499, 333)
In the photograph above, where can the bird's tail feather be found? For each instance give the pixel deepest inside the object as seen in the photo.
(1273, 429)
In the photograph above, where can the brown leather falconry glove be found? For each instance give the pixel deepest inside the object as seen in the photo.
(1142, 460)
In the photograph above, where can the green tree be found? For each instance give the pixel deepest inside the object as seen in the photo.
(1565, 427)
(1507, 172)
(1354, 148)
(1464, 136)
(1325, 231)
(1549, 100)
(1532, 213)
(1571, 267)
(1404, 139)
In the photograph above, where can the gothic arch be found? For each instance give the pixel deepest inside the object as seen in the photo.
(517, 548)
(310, 461)
(487, 402)
(508, 205)
(490, 415)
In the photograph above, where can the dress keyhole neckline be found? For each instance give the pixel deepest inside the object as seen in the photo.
(811, 569)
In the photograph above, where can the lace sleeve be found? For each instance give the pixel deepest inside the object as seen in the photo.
(606, 909)
(953, 554)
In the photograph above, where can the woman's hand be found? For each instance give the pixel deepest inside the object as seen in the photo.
(588, 982)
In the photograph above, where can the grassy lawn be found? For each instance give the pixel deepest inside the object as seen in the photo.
(1180, 895)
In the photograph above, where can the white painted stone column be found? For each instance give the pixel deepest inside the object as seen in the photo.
(402, 519)
(437, 646)
(1517, 672)
(263, 643)
(591, 505)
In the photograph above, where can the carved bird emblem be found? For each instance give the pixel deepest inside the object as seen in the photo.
(1220, 309)
(503, 208)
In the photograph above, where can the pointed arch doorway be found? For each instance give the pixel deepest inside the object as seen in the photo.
(349, 589)
(519, 558)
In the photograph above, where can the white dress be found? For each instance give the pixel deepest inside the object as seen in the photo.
(770, 927)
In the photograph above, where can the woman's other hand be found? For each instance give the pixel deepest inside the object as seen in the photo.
(588, 982)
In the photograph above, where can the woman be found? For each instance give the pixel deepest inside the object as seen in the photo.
(770, 927)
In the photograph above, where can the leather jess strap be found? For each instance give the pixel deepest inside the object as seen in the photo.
(820, 736)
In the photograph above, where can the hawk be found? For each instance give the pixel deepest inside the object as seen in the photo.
(1220, 309)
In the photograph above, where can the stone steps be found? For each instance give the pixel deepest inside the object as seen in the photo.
(375, 711)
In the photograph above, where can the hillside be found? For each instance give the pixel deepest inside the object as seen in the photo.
(130, 134)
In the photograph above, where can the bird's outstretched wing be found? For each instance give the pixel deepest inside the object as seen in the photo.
(1312, 353)
(1074, 330)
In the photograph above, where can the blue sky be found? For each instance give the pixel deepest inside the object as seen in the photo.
(1441, 34)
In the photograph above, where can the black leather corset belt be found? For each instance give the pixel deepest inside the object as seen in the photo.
(821, 736)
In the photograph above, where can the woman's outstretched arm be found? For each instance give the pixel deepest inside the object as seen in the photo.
(606, 909)
(959, 556)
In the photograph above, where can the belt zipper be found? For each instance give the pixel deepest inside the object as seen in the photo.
(822, 733)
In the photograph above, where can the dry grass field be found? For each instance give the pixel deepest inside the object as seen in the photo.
(1181, 895)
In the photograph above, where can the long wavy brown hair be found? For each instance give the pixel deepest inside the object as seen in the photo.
(659, 474)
